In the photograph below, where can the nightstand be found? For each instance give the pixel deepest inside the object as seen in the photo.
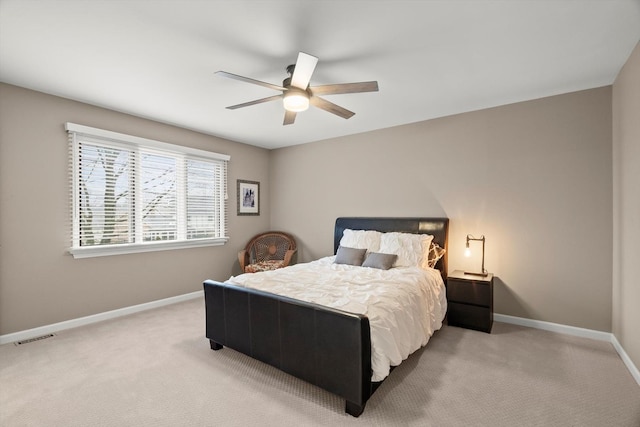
(470, 301)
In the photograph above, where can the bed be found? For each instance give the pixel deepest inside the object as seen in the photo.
(323, 345)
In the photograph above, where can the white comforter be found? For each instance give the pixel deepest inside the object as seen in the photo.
(405, 306)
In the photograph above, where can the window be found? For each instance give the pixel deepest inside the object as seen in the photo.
(132, 194)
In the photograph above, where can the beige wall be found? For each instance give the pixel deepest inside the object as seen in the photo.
(626, 206)
(40, 283)
(534, 177)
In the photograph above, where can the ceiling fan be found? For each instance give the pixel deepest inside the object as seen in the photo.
(297, 94)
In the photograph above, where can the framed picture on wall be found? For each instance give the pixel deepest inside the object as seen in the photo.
(248, 197)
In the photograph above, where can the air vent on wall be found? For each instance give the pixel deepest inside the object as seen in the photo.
(30, 340)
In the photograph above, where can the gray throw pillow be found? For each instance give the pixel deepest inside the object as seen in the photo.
(350, 256)
(381, 261)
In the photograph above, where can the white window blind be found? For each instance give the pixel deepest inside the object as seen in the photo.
(132, 194)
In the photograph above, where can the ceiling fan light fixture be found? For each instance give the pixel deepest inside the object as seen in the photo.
(296, 100)
(296, 93)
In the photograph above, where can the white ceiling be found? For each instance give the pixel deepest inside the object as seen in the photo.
(156, 59)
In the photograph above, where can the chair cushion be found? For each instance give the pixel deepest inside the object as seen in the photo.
(263, 266)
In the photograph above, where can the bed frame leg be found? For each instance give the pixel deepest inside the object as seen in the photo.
(354, 409)
(215, 345)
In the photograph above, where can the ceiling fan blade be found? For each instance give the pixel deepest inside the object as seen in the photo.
(289, 117)
(257, 101)
(248, 80)
(331, 107)
(305, 65)
(345, 88)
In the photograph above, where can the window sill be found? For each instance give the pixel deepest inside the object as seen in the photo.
(134, 248)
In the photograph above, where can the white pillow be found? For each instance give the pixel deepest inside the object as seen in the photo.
(361, 239)
(412, 249)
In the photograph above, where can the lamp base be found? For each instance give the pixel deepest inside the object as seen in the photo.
(484, 274)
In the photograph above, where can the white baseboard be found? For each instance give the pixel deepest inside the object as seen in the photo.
(554, 327)
(87, 320)
(626, 359)
(572, 330)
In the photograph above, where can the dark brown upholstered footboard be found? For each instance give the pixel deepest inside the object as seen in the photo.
(323, 346)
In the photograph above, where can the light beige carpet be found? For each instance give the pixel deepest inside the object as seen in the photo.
(156, 369)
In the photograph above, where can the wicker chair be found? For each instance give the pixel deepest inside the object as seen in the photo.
(267, 251)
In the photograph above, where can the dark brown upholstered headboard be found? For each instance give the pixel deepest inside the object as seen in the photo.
(437, 227)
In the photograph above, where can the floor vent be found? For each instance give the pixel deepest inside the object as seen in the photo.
(30, 340)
